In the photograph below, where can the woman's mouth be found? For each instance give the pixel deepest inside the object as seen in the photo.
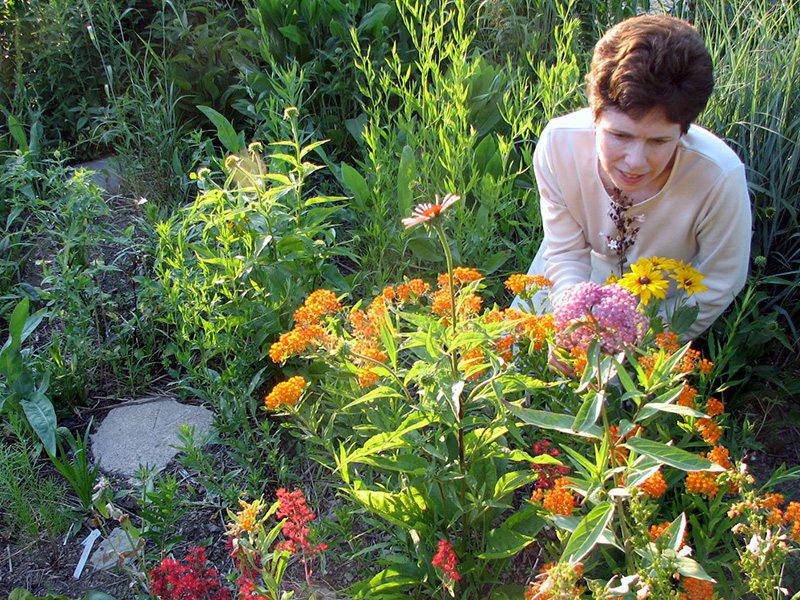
(630, 178)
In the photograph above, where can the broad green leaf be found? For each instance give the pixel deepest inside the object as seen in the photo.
(42, 417)
(402, 508)
(374, 19)
(587, 534)
(516, 532)
(17, 130)
(358, 186)
(549, 420)
(672, 456)
(295, 34)
(406, 174)
(225, 131)
(411, 464)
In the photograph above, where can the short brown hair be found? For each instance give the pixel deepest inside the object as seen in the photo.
(651, 61)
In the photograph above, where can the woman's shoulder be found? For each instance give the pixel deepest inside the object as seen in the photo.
(580, 120)
(705, 146)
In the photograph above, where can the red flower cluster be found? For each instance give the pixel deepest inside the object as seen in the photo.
(446, 559)
(193, 581)
(548, 473)
(293, 508)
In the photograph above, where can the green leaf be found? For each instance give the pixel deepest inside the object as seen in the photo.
(549, 420)
(571, 524)
(374, 19)
(691, 568)
(589, 412)
(403, 463)
(516, 532)
(653, 407)
(674, 533)
(587, 534)
(358, 186)
(42, 417)
(294, 34)
(406, 175)
(404, 508)
(17, 130)
(672, 456)
(225, 131)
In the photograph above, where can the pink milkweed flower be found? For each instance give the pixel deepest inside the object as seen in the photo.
(607, 312)
(427, 211)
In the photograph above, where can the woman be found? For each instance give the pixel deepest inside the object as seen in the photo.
(635, 150)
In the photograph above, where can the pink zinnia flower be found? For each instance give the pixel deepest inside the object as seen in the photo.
(589, 311)
(427, 211)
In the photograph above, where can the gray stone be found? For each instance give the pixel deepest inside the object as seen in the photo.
(143, 432)
(115, 550)
(105, 173)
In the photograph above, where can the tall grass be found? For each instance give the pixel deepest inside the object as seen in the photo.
(756, 108)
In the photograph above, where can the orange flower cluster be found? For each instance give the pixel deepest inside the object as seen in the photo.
(307, 331)
(286, 392)
(709, 431)
(657, 530)
(790, 517)
(686, 397)
(297, 340)
(655, 486)
(721, 456)
(669, 344)
(518, 282)
(461, 276)
(620, 453)
(702, 482)
(667, 341)
(472, 363)
(318, 304)
(714, 407)
(367, 351)
(558, 500)
(580, 360)
(532, 327)
(697, 589)
(247, 516)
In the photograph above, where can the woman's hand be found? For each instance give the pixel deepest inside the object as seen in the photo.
(557, 365)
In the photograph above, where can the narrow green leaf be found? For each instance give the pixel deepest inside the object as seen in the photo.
(672, 456)
(589, 412)
(587, 534)
(549, 420)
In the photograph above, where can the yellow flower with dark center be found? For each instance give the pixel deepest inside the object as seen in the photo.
(645, 281)
(689, 279)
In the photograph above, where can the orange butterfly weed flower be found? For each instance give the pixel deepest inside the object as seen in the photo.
(702, 482)
(714, 407)
(286, 392)
(655, 486)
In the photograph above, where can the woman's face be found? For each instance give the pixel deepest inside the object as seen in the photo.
(636, 155)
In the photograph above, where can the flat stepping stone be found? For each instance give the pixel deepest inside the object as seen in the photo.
(143, 432)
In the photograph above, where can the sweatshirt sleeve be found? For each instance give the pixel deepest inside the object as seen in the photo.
(567, 255)
(723, 234)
